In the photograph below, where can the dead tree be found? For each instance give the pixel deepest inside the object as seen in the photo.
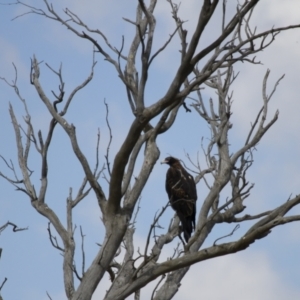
(210, 67)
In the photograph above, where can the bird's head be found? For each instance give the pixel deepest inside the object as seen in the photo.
(170, 160)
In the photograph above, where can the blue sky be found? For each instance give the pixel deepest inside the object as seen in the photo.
(268, 269)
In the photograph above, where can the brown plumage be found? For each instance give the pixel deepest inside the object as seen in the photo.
(181, 189)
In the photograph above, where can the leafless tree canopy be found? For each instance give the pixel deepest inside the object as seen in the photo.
(210, 67)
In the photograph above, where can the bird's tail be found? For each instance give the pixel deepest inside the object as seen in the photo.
(187, 227)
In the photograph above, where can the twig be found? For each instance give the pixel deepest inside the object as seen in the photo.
(79, 87)
(156, 287)
(82, 250)
(230, 234)
(5, 279)
(97, 152)
(75, 272)
(48, 295)
(15, 227)
(152, 227)
(110, 139)
(53, 239)
(137, 211)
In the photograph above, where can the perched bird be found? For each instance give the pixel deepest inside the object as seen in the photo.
(181, 189)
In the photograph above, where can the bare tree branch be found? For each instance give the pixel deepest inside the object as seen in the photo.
(15, 228)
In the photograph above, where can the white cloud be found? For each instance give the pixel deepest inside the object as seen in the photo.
(248, 275)
(276, 12)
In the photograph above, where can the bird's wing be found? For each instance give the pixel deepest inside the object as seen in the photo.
(173, 183)
(179, 190)
(191, 196)
(192, 191)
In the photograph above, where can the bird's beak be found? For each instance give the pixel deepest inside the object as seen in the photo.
(163, 162)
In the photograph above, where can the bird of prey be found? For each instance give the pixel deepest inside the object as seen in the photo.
(181, 189)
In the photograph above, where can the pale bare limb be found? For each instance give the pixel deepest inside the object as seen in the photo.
(70, 130)
(110, 139)
(82, 251)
